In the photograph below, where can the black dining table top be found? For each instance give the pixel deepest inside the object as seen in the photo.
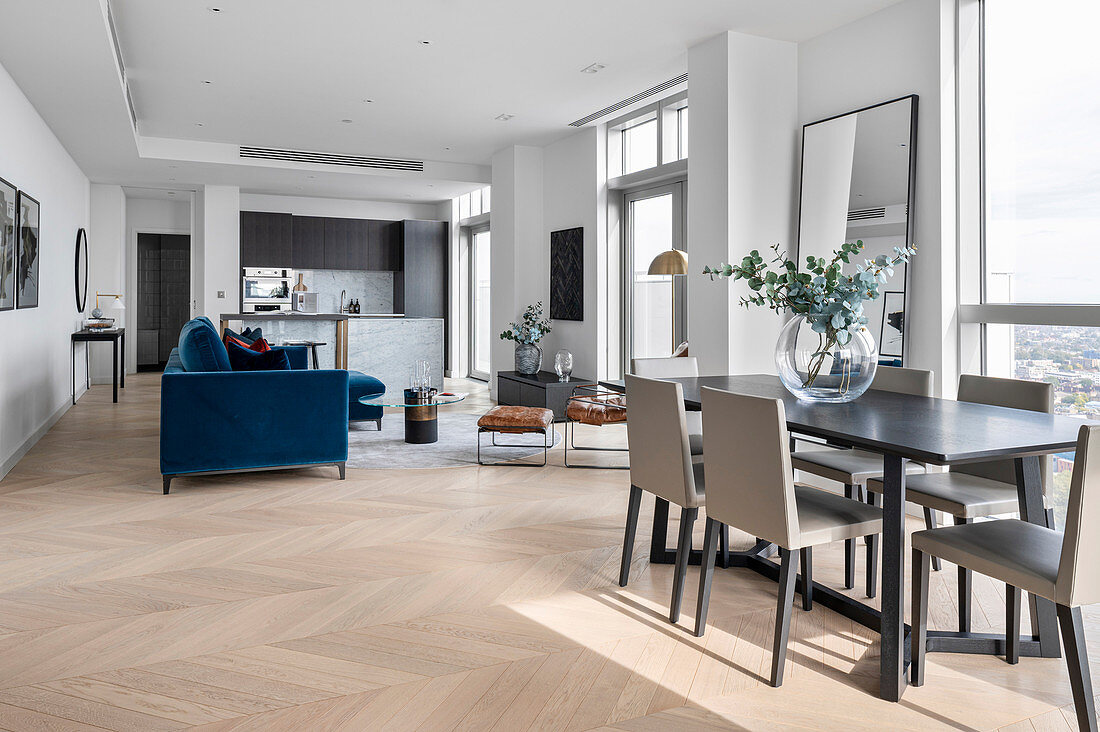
(938, 431)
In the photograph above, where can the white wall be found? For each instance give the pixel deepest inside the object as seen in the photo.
(221, 245)
(147, 215)
(106, 262)
(34, 343)
(905, 49)
(338, 207)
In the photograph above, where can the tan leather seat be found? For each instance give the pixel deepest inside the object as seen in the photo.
(1032, 558)
(751, 487)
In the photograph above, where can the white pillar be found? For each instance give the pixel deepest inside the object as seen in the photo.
(106, 264)
(217, 256)
(744, 132)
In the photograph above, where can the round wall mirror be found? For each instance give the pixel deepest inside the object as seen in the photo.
(81, 270)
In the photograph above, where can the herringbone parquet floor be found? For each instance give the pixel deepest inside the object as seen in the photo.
(473, 598)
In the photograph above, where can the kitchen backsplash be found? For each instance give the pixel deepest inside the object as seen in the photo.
(374, 290)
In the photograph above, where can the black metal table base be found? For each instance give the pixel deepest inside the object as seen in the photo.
(756, 559)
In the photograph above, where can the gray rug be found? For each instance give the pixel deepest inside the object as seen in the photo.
(457, 446)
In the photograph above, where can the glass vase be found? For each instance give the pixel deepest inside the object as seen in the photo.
(563, 364)
(815, 367)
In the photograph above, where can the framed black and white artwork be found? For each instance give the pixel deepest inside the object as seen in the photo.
(29, 247)
(567, 274)
(8, 233)
(892, 329)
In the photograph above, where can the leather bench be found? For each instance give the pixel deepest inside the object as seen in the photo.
(517, 420)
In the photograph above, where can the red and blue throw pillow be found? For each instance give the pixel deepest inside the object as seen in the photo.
(242, 358)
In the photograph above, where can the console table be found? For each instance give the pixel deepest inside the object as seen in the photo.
(118, 368)
(538, 390)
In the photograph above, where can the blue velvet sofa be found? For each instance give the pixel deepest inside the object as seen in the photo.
(215, 420)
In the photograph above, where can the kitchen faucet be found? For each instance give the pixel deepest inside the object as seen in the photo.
(343, 294)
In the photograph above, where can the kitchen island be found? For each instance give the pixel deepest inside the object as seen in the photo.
(381, 345)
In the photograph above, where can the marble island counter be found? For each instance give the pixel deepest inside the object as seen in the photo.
(382, 345)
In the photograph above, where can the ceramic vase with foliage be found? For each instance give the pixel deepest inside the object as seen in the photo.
(527, 334)
(824, 352)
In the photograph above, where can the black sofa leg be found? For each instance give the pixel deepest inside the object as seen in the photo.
(343, 470)
(167, 483)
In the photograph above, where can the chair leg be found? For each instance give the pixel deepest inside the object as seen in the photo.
(706, 575)
(683, 553)
(1012, 624)
(632, 509)
(930, 522)
(807, 578)
(788, 569)
(1077, 659)
(965, 589)
(872, 553)
(919, 636)
(724, 545)
(849, 549)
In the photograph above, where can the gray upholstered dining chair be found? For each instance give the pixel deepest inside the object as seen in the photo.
(675, 367)
(985, 489)
(854, 468)
(1032, 558)
(750, 486)
(661, 464)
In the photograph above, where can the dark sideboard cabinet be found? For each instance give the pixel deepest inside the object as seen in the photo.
(538, 390)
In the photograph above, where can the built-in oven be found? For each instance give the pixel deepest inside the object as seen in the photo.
(266, 289)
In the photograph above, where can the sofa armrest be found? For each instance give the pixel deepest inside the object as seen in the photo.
(235, 420)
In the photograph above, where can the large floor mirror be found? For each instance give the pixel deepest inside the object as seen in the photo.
(857, 184)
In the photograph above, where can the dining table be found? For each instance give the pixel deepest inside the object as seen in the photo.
(902, 427)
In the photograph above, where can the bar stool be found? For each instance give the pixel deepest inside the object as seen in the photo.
(751, 487)
(1031, 558)
(312, 347)
(854, 468)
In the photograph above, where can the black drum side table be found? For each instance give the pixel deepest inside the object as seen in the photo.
(118, 369)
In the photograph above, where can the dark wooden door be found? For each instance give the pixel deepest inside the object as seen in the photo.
(266, 239)
(384, 246)
(308, 250)
(346, 244)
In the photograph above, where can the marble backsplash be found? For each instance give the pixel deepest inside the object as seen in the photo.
(374, 290)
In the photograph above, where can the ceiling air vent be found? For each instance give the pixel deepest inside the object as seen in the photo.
(863, 214)
(627, 102)
(121, 65)
(320, 158)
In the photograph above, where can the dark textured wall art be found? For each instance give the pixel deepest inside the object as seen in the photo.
(567, 274)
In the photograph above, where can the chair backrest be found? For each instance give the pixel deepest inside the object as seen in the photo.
(747, 462)
(917, 382)
(1078, 573)
(656, 429)
(1035, 396)
(679, 367)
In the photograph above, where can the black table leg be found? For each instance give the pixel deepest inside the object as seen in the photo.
(87, 366)
(72, 360)
(892, 680)
(122, 364)
(1029, 484)
(114, 370)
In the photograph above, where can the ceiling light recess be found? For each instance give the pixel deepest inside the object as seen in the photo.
(665, 86)
(593, 68)
(504, 117)
(320, 158)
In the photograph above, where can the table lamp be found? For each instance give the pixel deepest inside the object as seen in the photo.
(673, 262)
(116, 304)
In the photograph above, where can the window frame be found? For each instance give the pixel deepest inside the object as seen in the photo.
(471, 234)
(669, 164)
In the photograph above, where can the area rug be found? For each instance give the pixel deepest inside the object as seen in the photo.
(457, 447)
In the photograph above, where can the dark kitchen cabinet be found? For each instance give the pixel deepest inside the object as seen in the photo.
(266, 239)
(308, 251)
(346, 244)
(384, 246)
(420, 287)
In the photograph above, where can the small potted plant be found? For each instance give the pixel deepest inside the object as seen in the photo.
(824, 352)
(527, 334)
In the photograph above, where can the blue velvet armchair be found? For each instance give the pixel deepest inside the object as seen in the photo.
(214, 420)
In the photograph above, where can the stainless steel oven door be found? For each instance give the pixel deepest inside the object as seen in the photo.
(266, 289)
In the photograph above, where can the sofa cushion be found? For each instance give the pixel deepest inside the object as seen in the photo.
(200, 348)
(245, 359)
(361, 385)
(251, 334)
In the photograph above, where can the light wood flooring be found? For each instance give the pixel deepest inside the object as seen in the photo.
(472, 598)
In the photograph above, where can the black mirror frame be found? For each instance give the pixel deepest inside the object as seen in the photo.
(81, 287)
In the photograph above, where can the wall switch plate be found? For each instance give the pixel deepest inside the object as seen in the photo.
(221, 294)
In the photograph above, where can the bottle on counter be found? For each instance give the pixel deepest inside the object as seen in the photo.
(355, 306)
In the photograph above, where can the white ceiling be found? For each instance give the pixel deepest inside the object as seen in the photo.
(285, 73)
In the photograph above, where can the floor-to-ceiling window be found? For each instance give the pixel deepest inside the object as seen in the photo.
(647, 156)
(1040, 155)
(480, 336)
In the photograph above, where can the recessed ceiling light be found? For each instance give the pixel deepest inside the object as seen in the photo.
(207, 81)
(593, 68)
(171, 193)
(446, 148)
(425, 43)
(901, 144)
(504, 117)
(173, 167)
(199, 124)
(311, 177)
(171, 179)
(368, 101)
(214, 9)
(347, 121)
